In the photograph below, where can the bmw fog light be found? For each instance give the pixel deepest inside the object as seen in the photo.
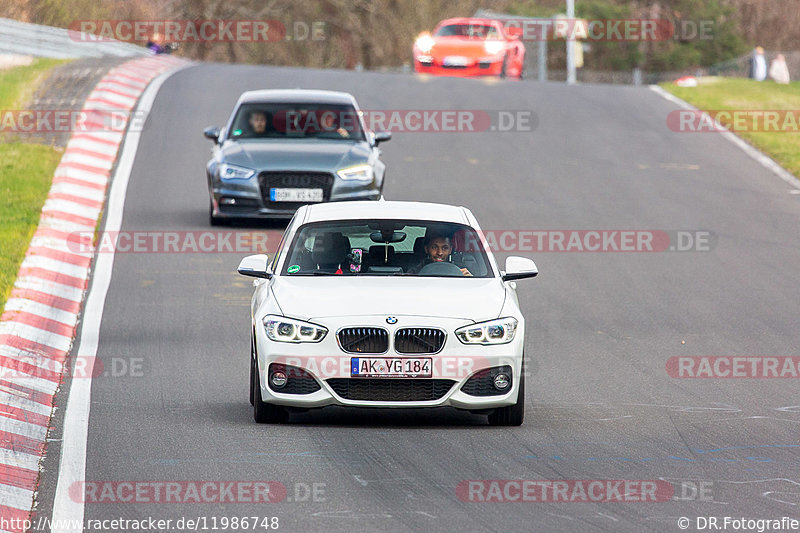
(502, 381)
(278, 379)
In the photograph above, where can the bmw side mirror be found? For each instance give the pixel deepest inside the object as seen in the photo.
(255, 266)
(212, 133)
(519, 268)
(382, 136)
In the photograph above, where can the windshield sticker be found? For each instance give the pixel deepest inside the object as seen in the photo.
(292, 269)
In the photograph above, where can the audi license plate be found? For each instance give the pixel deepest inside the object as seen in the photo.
(391, 367)
(295, 195)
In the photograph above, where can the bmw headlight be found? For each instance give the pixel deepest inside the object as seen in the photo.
(358, 172)
(228, 171)
(493, 47)
(282, 329)
(499, 331)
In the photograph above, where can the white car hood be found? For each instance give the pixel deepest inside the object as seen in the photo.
(312, 297)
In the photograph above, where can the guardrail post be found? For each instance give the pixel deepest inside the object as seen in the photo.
(542, 59)
(637, 76)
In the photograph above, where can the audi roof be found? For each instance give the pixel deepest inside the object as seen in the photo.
(297, 96)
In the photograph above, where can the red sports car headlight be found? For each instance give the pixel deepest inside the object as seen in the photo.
(493, 47)
(424, 43)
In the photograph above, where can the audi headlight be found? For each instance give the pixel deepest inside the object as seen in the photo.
(493, 47)
(282, 329)
(358, 172)
(499, 331)
(228, 171)
(425, 43)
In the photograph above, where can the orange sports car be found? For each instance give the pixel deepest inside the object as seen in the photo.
(470, 47)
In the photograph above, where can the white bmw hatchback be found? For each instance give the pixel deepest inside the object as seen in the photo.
(387, 305)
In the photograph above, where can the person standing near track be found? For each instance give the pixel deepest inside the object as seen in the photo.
(778, 70)
(758, 65)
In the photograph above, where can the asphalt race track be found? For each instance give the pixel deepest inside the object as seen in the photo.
(601, 326)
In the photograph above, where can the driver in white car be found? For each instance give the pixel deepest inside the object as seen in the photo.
(437, 250)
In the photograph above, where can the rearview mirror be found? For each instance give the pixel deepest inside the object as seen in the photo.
(212, 132)
(255, 266)
(387, 236)
(519, 268)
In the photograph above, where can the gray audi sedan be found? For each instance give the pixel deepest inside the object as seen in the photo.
(285, 148)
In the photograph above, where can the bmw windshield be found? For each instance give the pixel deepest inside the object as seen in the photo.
(387, 247)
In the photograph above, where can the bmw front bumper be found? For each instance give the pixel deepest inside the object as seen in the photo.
(461, 374)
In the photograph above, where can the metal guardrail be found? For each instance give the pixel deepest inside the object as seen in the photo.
(23, 38)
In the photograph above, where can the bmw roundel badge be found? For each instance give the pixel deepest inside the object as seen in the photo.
(391, 320)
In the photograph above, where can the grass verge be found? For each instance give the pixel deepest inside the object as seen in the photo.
(26, 172)
(744, 95)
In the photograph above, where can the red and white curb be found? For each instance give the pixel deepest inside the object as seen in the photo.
(40, 318)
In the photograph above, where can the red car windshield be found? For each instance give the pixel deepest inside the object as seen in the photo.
(469, 31)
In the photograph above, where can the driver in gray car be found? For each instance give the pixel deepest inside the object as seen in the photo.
(437, 250)
(258, 122)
